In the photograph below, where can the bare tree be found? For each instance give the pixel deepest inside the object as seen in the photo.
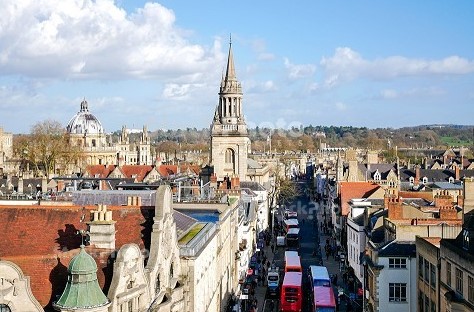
(46, 146)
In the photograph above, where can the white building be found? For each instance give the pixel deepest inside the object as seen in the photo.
(391, 277)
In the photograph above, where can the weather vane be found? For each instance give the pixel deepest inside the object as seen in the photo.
(83, 232)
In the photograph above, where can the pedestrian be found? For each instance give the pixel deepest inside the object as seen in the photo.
(335, 279)
(273, 248)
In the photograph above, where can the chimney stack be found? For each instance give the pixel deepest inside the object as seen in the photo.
(101, 228)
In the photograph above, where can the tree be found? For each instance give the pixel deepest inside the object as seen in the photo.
(46, 146)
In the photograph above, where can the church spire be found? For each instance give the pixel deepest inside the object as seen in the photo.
(230, 72)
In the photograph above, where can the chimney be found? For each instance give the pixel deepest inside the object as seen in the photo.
(447, 213)
(235, 182)
(443, 199)
(457, 174)
(44, 185)
(417, 175)
(395, 211)
(213, 180)
(101, 228)
(460, 199)
(20, 185)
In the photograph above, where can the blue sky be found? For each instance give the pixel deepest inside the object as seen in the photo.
(358, 63)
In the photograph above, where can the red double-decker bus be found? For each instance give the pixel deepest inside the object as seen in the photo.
(323, 299)
(291, 292)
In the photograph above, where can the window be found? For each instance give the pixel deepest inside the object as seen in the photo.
(433, 275)
(229, 156)
(397, 263)
(458, 280)
(420, 301)
(397, 292)
(427, 271)
(448, 273)
(465, 239)
(427, 304)
(420, 266)
(433, 306)
(470, 288)
(425, 180)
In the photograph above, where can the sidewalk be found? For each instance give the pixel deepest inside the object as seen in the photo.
(334, 268)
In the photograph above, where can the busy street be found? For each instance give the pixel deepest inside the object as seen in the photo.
(316, 247)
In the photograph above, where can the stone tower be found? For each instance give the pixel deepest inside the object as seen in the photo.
(230, 143)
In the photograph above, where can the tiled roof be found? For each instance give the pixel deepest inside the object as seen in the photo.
(138, 172)
(167, 170)
(100, 171)
(350, 190)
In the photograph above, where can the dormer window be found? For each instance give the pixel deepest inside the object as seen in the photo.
(377, 176)
(425, 180)
(451, 180)
(412, 180)
(465, 239)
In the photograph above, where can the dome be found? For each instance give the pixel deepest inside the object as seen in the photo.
(82, 291)
(84, 122)
(82, 263)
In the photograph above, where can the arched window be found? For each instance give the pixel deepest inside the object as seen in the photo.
(229, 156)
(171, 270)
(4, 308)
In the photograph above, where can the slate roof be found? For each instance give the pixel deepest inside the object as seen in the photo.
(359, 220)
(254, 186)
(253, 164)
(434, 175)
(383, 169)
(398, 249)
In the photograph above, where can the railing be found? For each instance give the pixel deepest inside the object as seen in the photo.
(192, 248)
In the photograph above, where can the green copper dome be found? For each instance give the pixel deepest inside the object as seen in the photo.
(82, 289)
(82, 263)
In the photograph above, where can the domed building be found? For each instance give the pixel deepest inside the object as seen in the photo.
(85, 130)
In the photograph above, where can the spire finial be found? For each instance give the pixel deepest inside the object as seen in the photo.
(230, 39)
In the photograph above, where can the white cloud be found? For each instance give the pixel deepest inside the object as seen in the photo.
(300, 70)
(346, 65)
(390, 94)
(97, 39)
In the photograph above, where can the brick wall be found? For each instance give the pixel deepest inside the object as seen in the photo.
(42, 240)
(39, 230)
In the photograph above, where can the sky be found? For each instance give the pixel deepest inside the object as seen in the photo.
(374, 64)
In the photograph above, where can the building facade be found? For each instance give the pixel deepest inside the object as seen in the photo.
(85, 130)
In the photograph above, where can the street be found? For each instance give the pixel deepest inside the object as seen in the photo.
(312, 242)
